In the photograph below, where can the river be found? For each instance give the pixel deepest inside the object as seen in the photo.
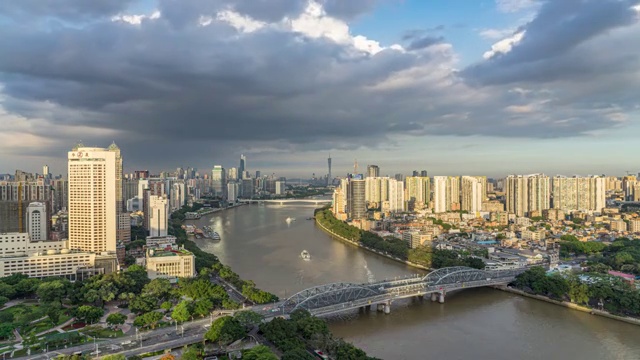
(473, 324)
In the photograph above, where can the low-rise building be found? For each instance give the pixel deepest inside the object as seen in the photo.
(533, 235)
(170, 263)
(39, 259)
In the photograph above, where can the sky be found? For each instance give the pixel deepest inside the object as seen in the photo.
(453, 87)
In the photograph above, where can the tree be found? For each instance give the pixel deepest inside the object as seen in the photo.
(192, 353)
(27, 287)
(53, 312)
(225, 330)
(182, 311)
(203, 307)
(114, 357)
(139, 276)
(259, 352)
(7, 291)
(116, 319)
(297, 354)
(6, 331)
(168, 357)
(148, 319)
(89, 314)
(142, 304)
(248, 318)
(167, 305)
(54, 290)
(157, 288)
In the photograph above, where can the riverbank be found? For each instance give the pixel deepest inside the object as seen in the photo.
(418, 266)
(569, 305)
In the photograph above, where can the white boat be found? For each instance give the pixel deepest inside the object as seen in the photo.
(289, 220)
(215, 236)
(305, 255)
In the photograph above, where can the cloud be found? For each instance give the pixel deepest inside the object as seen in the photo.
(347, 10)
(511, 6)
(213, 78)
(424, 42)
(495, 34)
(28, 10)
(565, 40)
(504, 46)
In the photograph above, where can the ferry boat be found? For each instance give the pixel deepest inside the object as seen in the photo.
(305, 255)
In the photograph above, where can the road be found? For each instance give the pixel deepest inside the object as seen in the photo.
(158, 339)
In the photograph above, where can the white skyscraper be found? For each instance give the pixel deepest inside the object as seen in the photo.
(37, 221)
(178, 195)
(158, 215)
(95, 197)
(232, 191)
(579, 193)
(472, 194)
(526, 193)
(396, 196)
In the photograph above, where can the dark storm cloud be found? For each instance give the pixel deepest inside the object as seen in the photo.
(65, 9)
(182, 12)
(348, 10)
(170, 83)
(551, 47)
(425, 42)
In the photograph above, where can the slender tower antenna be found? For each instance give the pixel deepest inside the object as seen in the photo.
(355, 167)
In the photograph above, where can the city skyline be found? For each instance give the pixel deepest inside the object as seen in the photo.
(512, 86)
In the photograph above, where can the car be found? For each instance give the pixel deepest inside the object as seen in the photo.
(320, 355)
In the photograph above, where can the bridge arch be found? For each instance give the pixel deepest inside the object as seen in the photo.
(327, 295)
(455, 274)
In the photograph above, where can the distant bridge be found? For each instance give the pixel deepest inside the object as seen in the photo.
(338, 297)
(286, 201)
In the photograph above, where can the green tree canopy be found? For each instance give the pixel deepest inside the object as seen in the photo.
(225, 330)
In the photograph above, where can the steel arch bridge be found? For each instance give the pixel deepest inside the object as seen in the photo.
(327, 295)
(337, 297)
(455, 274)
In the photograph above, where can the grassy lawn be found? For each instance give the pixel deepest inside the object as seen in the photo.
(100, 332)
(42, 326)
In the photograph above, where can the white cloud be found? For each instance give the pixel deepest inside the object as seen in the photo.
(136, 19)
(510, 6)
(503, 46)
(242, 23)
(494, 34)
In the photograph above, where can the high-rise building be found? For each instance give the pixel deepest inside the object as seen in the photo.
(243, 164)
(628, 184)
(178, 195)
(376, 191)
(60, 194)
(329, 176)
(218, 181)
(399, 177)
(232, 174)
(526, 193)
(123, 233)
(130, 188)
(158, 215)
(45, 172)
(281, 187)
(247, 188)
(373, 171)
(232, 191)
(37, 222)
(423, 173)
(15, 197)
(579, 193)
(95, 197)
(396, 196)
(356, 203)
(472, 194)
(418, 192)
(446, 193)
(258, 174)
